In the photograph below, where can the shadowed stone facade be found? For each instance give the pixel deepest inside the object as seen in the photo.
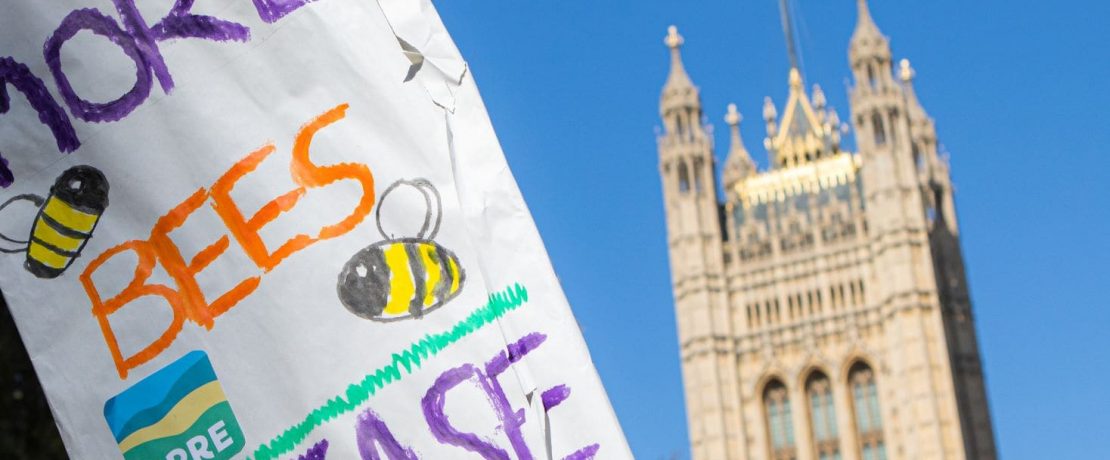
(823, 311)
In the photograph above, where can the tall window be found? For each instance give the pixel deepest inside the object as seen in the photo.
(697, 175)
(880, 130)
(692, 117)
(776, 401)
(865, 402)
(683, 177)
(822, 417)
(918, 158)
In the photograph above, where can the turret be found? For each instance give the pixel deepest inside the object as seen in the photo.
(686, 152)
(695, 240)
(739, 163)
(878, 109)
(679, 104)
(906, 193)
(932, 170)
(869, 54)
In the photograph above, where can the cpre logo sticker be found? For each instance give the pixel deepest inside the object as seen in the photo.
(177, 413)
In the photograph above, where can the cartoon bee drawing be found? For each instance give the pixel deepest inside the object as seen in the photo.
(402, 278)
(64, 223)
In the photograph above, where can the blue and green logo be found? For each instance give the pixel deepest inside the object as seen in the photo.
(177, 413)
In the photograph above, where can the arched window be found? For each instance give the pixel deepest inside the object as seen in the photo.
(680, 125)
(893, 117)
(878, 128)
(822, 417)
(692, 117)
(697, 175)
(738, 215)
(780, 429)
(865, 404)
(683, 177)
(918, 159)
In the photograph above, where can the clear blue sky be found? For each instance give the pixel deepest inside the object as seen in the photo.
(1019, 91)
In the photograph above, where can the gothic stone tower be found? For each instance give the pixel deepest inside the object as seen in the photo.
(823, 311)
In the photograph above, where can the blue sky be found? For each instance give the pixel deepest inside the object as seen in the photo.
(1018, 90)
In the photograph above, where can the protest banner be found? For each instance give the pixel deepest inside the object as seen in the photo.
(277, 229)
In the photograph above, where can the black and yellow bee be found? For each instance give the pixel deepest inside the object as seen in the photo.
(402, 278)
(65, 221)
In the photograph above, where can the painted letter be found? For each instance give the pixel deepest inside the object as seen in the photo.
(180, 23)
(246, 231)
(372, 433)
(272, 10)
(97, 23)
(512, 421)
(184, 274)
(436, 399)
(585, 453)
(50, 113)
(305, 173)
(319, 451)
(102, 309)
(310, 175)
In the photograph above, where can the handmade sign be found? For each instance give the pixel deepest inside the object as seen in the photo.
(277, 229)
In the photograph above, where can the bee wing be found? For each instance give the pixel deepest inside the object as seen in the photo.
(432, 205)
(435, 208)
(34, 199)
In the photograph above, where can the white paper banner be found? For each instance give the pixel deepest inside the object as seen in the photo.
(277, 229)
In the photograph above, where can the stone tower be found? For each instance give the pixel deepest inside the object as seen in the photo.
(823, 311)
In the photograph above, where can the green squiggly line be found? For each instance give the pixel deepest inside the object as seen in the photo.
(409, 360)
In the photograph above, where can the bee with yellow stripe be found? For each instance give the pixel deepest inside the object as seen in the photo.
(65, 221)
(402, 278)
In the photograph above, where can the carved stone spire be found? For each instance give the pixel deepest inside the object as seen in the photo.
(739, 163)
(866, 29)
(679, 104)
(867, 41)
(819, 101)
(769, 116)
(679, 91)
(906, 74)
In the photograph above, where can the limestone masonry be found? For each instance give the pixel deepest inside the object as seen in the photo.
(823, 310)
